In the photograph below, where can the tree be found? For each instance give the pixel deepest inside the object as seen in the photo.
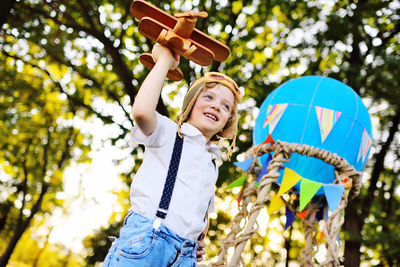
(36, 145)
(370, 35)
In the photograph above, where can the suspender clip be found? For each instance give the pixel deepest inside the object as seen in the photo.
(156, 223)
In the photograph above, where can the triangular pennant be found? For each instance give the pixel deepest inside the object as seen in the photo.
(233, 199)
(326, 120)
(239, 198)
(274, 114)
(365, 145)
(308, 189)
(264, 168)
(276, 204)
(348, 183)
(238, 182)
(302, 214)
(245, 164)
(333, 194)
(320, 214)
(290, 178)
(268, 140)
(289, 218)
(321, 237)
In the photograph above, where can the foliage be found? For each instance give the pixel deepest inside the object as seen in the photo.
(38, 140)
(98, 244)
(383, 234)
(35, 250)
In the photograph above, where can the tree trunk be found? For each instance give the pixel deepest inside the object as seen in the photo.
(288, 246)
(5, 211)
(21, 228)
(354, 221)
(352, 226)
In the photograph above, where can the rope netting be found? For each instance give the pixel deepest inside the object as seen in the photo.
(244, 224)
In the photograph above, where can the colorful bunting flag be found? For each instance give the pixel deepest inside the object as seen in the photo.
(326, 120)
(302, 214)
(244, 165)
(268, 140)
(237, 183)
(333, 194)
(365, 145)
(321, 237)
(274, 114)
(276, 204)
(289, 218)
(239, 198)
(233, 199)
(308, 189)
(264, 168)
(290, 178)
(320, 213)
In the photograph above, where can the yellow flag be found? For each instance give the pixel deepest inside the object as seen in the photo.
(276, 204)
(290, 178)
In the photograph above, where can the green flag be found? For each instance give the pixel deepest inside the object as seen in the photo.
(308, 189)
(238, 182)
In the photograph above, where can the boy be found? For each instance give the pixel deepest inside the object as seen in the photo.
(173, 189)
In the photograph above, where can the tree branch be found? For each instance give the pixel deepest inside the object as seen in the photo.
(379, 167)
(79, 102)
(86, 75)
(121, 69)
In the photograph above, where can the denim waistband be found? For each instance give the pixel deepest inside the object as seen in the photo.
(185, 245)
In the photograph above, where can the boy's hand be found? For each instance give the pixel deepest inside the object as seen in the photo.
(200, 251)
(170, 58)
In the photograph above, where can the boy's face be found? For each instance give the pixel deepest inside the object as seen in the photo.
(212, 109)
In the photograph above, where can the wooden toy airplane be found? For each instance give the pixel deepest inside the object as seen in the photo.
(179, 34)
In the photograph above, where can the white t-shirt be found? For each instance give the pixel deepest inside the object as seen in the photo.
(193, 194)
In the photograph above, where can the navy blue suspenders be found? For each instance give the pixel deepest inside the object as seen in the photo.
(169, 182)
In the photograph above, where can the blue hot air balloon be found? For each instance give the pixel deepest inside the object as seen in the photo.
(321, 112)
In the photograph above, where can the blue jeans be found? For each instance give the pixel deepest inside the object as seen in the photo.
(140, 245)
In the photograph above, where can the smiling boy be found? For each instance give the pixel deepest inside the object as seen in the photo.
(173, 190)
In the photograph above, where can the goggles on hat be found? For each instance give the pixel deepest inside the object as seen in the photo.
(210, 77)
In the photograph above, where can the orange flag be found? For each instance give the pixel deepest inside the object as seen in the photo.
(302, 214)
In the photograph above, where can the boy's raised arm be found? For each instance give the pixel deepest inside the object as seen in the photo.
(144, 107)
